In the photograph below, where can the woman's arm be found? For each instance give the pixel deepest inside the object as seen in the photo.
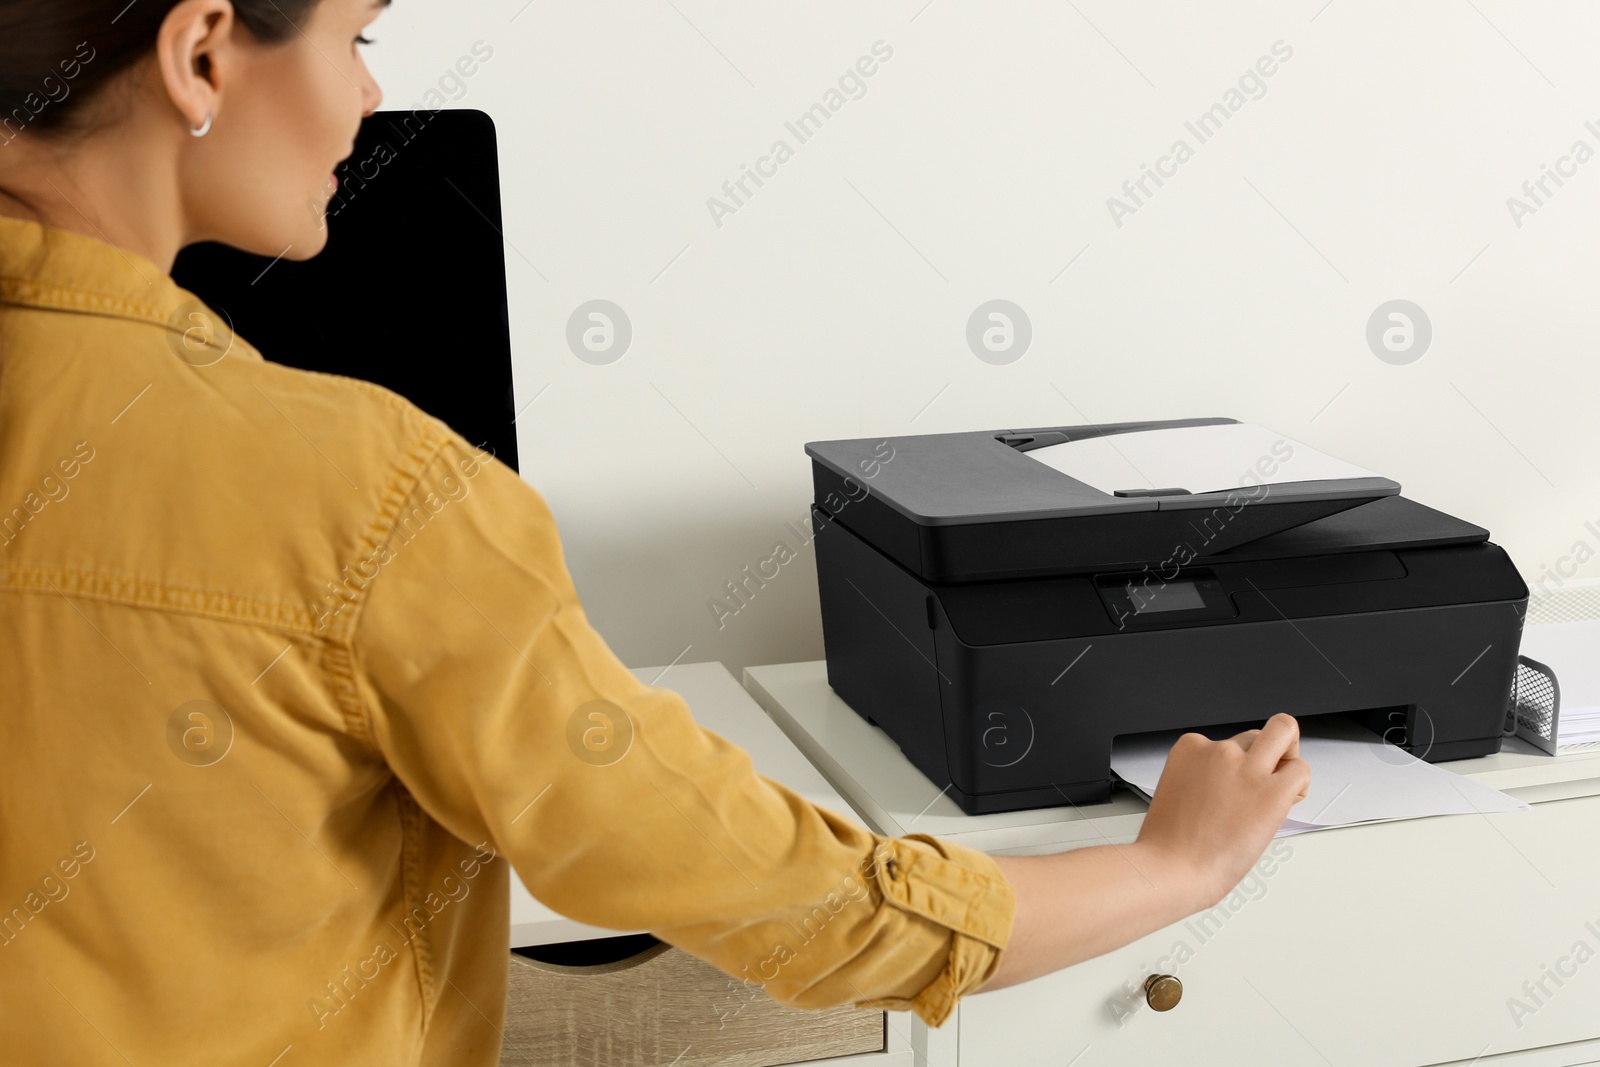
(1214, 812)
(509, 720)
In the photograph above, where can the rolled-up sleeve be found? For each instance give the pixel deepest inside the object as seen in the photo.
(509, 719)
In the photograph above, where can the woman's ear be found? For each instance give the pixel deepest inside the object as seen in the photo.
(195, 53)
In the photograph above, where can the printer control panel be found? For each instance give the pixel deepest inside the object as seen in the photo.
(1138, 598)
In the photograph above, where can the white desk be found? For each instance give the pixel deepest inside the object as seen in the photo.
(1386, 945)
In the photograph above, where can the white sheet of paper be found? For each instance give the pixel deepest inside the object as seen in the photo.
(1201, 459)
(1355, 777)
(1572, 650)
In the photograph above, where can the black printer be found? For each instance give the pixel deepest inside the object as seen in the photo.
(1005, 603)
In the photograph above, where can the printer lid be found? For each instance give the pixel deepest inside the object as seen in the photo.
(1061, 471)
(1011, 503)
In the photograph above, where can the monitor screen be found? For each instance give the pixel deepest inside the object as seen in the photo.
(410, 291)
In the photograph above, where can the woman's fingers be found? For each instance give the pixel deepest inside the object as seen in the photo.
(1297, 772)
(1278, 740)
(1246, 739)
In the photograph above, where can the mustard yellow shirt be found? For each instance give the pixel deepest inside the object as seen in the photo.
(292, 676)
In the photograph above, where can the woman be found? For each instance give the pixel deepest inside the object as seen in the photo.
(239, 827)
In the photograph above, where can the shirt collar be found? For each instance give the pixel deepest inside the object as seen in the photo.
(58, 270)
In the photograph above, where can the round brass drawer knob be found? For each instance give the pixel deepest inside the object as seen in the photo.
(1162, 992)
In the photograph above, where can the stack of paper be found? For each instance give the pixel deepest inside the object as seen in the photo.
(1355, 777)
(1572, 651)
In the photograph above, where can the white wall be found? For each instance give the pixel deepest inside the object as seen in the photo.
(978, 164)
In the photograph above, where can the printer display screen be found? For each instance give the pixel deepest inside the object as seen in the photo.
(1171, 596)
(1143, 599)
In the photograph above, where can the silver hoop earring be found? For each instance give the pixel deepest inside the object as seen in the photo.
(202, 129)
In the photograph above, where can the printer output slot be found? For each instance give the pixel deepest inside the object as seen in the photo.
(1394, 724)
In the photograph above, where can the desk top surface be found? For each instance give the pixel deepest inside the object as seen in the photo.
(887, 792)
(722, 706)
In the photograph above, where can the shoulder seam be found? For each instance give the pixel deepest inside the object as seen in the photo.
(375, 539)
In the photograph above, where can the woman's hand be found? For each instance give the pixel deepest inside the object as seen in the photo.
(1213, 814)
(1219, 803)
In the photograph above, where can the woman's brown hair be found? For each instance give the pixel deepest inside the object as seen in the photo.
(56, 54)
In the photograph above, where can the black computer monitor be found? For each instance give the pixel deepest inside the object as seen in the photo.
(411, 289)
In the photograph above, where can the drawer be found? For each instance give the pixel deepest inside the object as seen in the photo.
(1394, 944)
(634, 1000)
